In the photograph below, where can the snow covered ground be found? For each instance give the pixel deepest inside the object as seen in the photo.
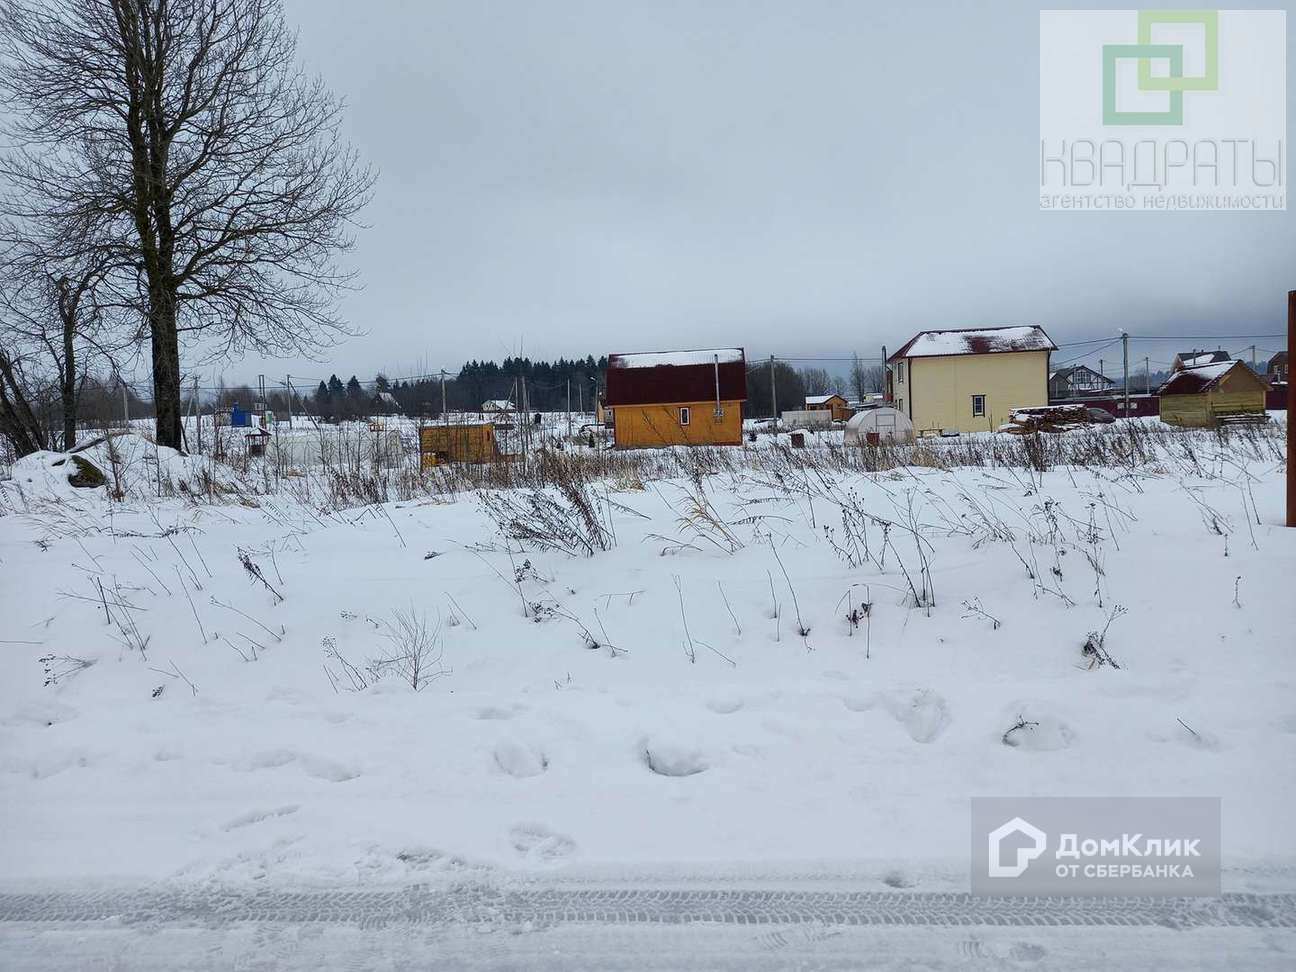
(215, 694)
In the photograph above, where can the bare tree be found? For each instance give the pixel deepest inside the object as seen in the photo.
(817, 381)
(49, 310)
(179, 141)
(864, 379)
(18, 422)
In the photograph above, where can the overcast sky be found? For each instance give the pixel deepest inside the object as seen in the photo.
(808, 178)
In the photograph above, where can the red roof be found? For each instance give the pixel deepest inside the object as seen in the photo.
(658, 378)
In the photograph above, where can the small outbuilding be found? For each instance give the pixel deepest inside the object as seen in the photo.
(1208, 395)
(440, 444)
(883, 425)
(834, 403)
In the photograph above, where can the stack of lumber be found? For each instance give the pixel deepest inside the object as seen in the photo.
(1046, 418)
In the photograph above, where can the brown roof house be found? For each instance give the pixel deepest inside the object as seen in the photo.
(662, 398)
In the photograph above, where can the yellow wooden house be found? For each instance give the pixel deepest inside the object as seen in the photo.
(666, 398)
(439, 444)
(834, 403)
(969, 380)
(1206, 395)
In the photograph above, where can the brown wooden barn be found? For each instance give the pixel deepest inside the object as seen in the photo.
(676, 397)
(834, 403)
(457, 443)
(1208, 395)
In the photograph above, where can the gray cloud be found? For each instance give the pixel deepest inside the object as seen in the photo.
(811, 178)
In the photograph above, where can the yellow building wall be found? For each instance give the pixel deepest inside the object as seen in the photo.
(1188, 411)
(649, 426)
(456, 443)
(940, 390)
(1237, 392)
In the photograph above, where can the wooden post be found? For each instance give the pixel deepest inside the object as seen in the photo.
(1291, 409)
(773, 394)
(1125, 358)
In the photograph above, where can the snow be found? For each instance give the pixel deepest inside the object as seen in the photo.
(1211, 371)
(819, 399)
(1029, 337)
(656, 359)
(758, 749)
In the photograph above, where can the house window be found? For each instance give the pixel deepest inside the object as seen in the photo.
(978, 405)
(900, 372)
(684, 416)
(900, 405)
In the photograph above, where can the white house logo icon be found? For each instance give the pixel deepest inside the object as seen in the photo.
(1024, 854)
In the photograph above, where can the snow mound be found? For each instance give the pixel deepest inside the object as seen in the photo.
(126, 465)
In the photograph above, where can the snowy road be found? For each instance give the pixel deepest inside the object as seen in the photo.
(480, 925)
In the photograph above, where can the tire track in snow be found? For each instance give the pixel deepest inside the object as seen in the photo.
(480, 904)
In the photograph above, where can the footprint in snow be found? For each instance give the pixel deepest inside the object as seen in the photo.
(924, 715)
(256, 816)
(519, 760)
(537, 842)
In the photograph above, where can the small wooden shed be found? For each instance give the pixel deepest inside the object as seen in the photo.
(834, 403)
(1207, 395)
(457, 443)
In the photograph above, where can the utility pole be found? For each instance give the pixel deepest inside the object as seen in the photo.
(1253, 364)
(1291, 410)
(445, 416)
(1147, 376)
(569, 429)
(1101, 373)
(773, 393)
(886, 373)
(1125, 359)
(288, 382)
(125, 402)
(197, 413)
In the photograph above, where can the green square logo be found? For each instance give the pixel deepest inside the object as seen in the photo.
(1209, 19)
(1144, 53)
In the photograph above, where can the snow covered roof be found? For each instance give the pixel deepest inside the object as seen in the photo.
(1190, 359)
(821, 399)
(497, 405)
(975, 340)
(665, 377)
(1200, 378)
(658, 359)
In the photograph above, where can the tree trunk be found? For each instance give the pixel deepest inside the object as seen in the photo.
(68, 385)
(17, 422)
(166, 373)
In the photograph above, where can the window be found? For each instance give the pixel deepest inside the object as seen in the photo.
(900, 372)
(684, 416)
(978, 405)
(900, 405)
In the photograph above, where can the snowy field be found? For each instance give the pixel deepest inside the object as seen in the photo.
(788, 668)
